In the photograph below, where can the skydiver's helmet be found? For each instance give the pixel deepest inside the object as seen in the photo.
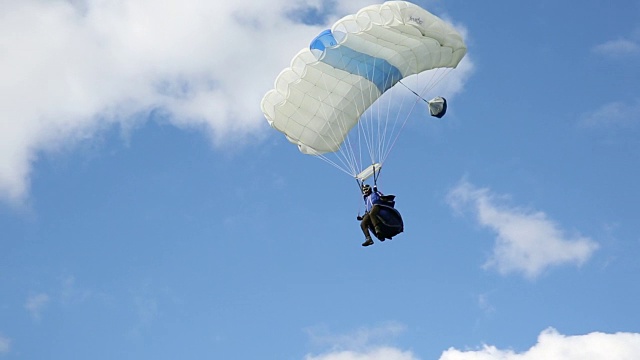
(366, 189)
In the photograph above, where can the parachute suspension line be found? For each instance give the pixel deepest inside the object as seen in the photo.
(369, 123)
(382, 128)
(365, 131)
(334, 138)
(328, 160)
(333, 163)
(437, 75)
(346, 148)
(392, 143)
(379, 138)
(344, 159)
(365, 128)
(345, 165)
(384, 133)
(387, 146)
(365, 136)
(362, 133)
(345, 151)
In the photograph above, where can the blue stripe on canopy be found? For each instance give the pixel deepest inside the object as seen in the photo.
(377, 70)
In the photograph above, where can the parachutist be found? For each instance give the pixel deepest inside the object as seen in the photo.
(329, 98)
(370, 218)
(380, 216)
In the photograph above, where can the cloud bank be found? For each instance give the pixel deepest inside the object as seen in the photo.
(554, 346)
(71, 68)
(551, 345)
(527, 242)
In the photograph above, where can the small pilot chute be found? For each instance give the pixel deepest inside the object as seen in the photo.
(437, 106)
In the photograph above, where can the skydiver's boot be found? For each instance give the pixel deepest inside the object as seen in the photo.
(367, 242)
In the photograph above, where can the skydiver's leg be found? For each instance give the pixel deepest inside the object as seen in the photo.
(374, 215)
(364, 225)
(375, 221)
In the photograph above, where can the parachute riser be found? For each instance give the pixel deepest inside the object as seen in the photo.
(375, 176)
(376, 173)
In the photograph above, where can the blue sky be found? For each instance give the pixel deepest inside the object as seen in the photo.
(147, 210)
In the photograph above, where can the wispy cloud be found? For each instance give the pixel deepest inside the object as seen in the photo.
(553, 345)
(381, 353)
(613, 115)
(35, 304)
(70, 293)
(5, 345)
(146, 307)
(485, 304)
(74, 67)
(527, 242)
(359, 340)
(366, 343)
(617, 48)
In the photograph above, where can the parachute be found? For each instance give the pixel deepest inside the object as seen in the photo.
(330, 86)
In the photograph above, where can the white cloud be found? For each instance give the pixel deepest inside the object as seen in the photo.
(527, 241)
(618, 47)
(35, 304)
(71, 68)
(554, 346)
(551, 345)
(613, 115)
(5, 345)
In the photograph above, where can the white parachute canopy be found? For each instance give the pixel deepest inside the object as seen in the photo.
(330, 86)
